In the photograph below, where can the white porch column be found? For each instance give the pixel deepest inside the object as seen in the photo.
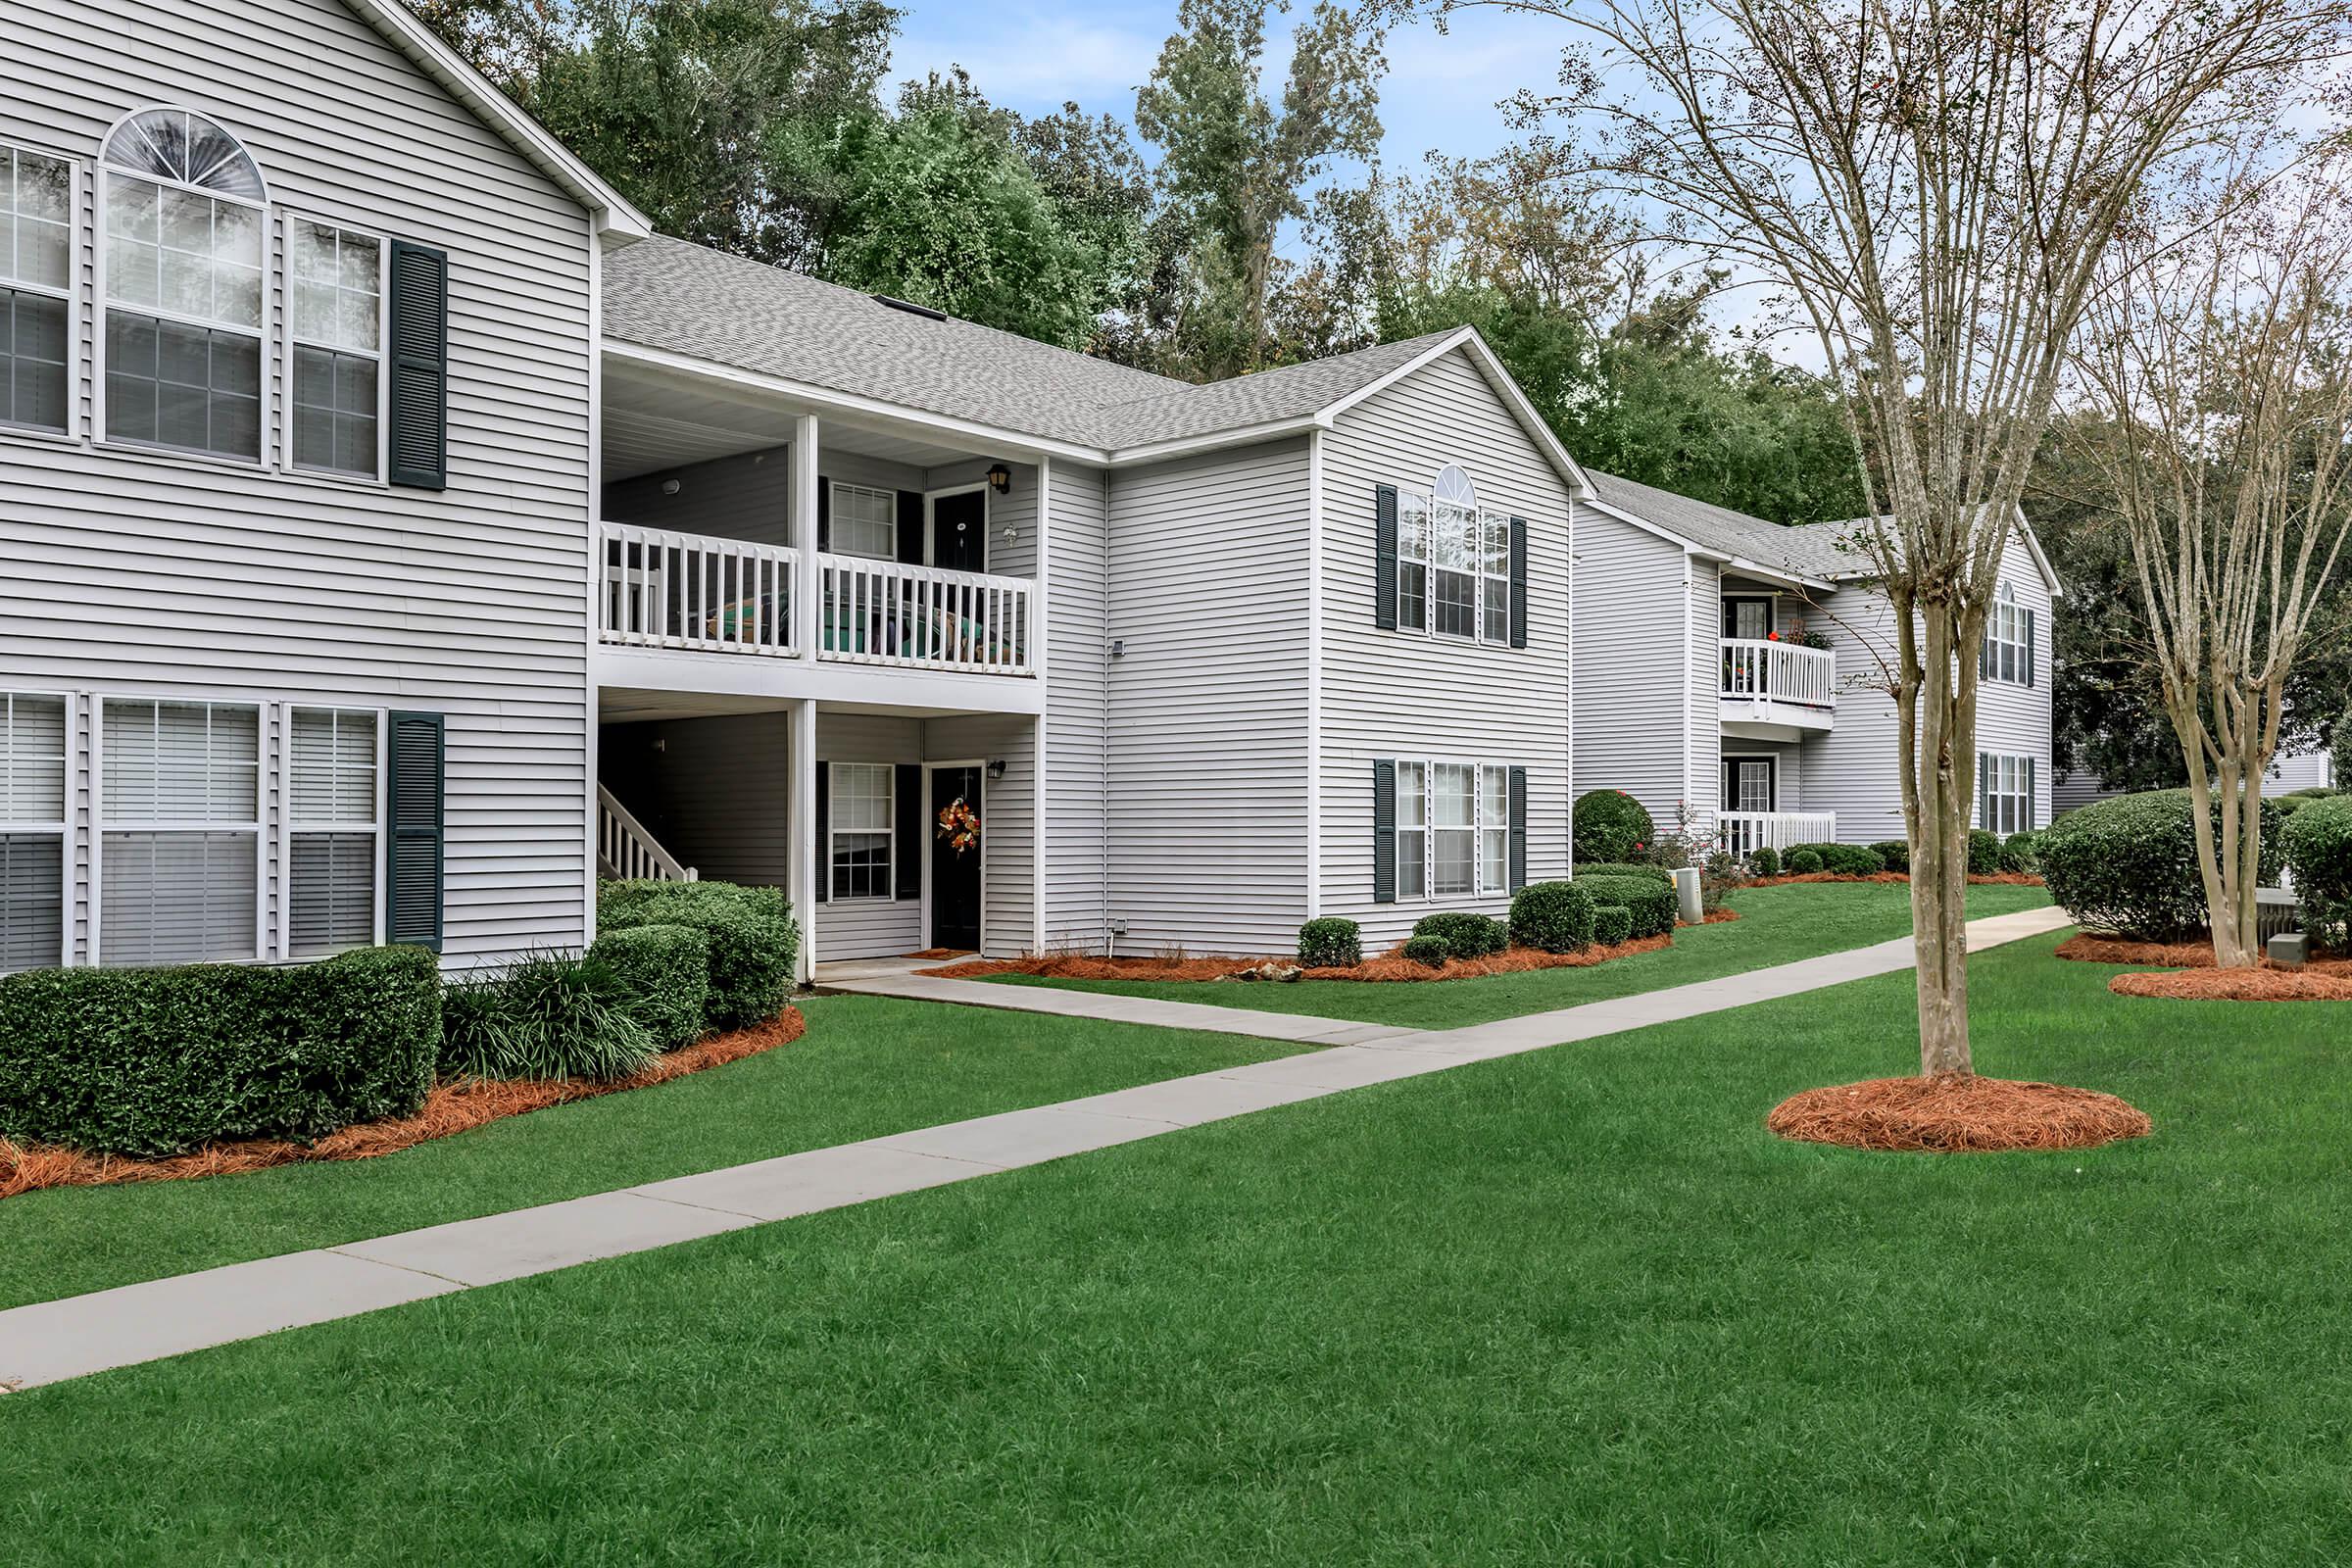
(800, 528)
(806, 855)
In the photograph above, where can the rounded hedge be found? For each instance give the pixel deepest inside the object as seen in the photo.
(1843, 860)
(2020, 852)
(1429, 951)
(754, 939)
(1803, 862)
(1622, 868)
(2129, 864)
(1610, 825)
(1612, 923)
(2317, 843)
(1896, 852)
(1649, 901)
(1765, 862)
(1555, 916)
(1466, 933)
(659, 975)
(1984, 851)
(1330, 943)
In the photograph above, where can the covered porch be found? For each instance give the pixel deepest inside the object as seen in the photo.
(894, 829)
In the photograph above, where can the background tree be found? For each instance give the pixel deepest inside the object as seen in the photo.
(2222, 364)
(1932, 185)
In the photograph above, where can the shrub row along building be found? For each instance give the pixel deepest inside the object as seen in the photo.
(401, 535)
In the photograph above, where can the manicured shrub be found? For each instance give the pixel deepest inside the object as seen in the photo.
(1555, 917)
(1657, 874)
(2020, 852)
(2129, 864)
(1803, 862)
(1765, 862)
(550, 1017)
(658, 975)
(1466, 933)
(1845, 860)
(754, 940)
(1330, 943)
(1649, 901)
(1430, 952)
(2318, 846)
(1612, 923)
(1896, 852)
(154, 1063)
(1611, 825)
(1984, 851)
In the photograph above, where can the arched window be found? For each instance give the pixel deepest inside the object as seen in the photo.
(1453, 561)
(182, 260)
(2008, 653)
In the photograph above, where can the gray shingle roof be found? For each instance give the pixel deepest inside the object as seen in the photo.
(1808, 550)
(667, 294)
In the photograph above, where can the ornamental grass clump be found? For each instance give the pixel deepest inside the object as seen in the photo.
(547, 1016)
(1552, 917)
(1330, 943)
(1466, 933)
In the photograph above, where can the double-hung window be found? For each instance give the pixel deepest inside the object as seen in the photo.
(179, 831)
(182, 259)
(1412, 830)
(36, 302)
(1494, 829)
(862, 830)
(864, 522)
(1453, 829)
(337, 328)
(333, 830)
(1412, 561)
(2005, 789)
(1454, 833)
(1453, 563)
(32, 830)
(2008, 640)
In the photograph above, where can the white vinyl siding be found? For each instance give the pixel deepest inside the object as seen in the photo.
(1633, 665)
(33, 829)
(36, 300)
(861, 853)
(179, 831)
(335, 823)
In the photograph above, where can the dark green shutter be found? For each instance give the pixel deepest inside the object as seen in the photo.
(824, 833)
(413, 850)
(418, 309)
(1384, 831)
(1383, 557)
(824, 513)
(911, 527)
(1518, 583)
(907, 803)
(1518, 821)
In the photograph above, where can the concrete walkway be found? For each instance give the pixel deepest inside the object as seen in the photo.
(52, 1340)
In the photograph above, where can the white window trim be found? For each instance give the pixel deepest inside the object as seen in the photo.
(282, 435)
(63, 828)
(1477, 829)
(1482, 581)
(71, 294)
(101, 824)
(2019, 762)
(264, 460)
(1773, 757)
(290, 826)
(2006, 635)
(833, 509)
(834, 830)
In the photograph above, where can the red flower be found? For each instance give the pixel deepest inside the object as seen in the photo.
(1772, 636)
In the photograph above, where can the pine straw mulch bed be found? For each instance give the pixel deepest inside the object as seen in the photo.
(1956, 1115)
(2193, 977)
(1993, 879)
(1389, 966)
(457, 1107)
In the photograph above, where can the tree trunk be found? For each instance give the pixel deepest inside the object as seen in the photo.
(1945, 779)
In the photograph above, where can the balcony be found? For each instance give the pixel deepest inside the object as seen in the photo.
(695, 593)
(1742, 833)
(1776, 686)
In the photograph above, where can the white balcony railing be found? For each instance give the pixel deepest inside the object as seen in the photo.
(628, 851)
(692, 591)
(885, 612)
(1779, 673)
(1742, 833)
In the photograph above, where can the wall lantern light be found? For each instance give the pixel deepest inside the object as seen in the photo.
(1000, 477)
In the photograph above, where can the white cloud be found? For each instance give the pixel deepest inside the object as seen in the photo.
(1031, 59)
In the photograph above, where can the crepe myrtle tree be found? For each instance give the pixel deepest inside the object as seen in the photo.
(1928, 187)
(2216, 380)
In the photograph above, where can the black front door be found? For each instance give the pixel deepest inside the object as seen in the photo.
(959, 531)
(955, 873)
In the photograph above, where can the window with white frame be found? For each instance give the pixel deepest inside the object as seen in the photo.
(179, 831)
(2005, 789)
(1453, 563)
(336, 329)
(333, 829)
(37, 303)
(862, 828)
(2008, 640)
(183, 262)
(864, 522)
(32, 830)
(1493, 828)
(1412, 830)
(1453, 829)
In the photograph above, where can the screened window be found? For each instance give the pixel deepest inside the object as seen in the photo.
(862, 830)
(36, 204)
(333, 824)
(1453, 563)
(182, 262)
(32, 830)
(2009, 640)
(337, 332)
(1412, 830)
(179, 831)
(866, 521)
(2004, 793)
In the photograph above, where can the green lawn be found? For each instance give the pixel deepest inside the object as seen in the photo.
(1776, 925)
(867, 1066)
(1575, 1306)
